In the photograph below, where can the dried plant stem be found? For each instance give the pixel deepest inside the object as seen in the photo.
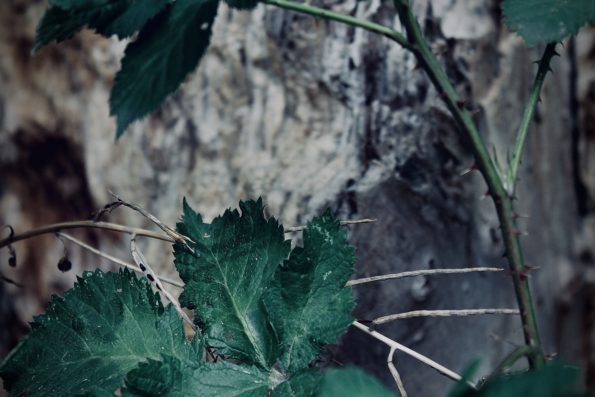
(415, 273)
(395, 373)
(115, 227)
(114, 259)
(418, 356)
(143, 264)
(441, 313)
(343, 223)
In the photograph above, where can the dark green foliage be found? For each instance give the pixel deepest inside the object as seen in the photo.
(254, 306)
(167, 49)
(170, 377)
(553, 380)
(92, 336)
(546, 21)
(108, 17)
(236, 258)
(174, 36)
(307, 300)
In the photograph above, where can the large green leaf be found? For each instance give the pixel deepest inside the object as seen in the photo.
(546, 21)
(553, 380)
(170, 377)
(236, 257)
(93, 336)
(352, 382)
(108, 17)
(167, 49)
(308, 302)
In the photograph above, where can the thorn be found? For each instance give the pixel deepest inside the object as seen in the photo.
(417, 66)
(516, 215)
(474, 167)
(555, 54)
(532, 268)
(549, 69)
(461, 104)
(442, 94)
(519, 233)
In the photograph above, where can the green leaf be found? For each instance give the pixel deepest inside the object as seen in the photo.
(92, 336)
(352, 382)
(170, 377)
(553, 380)
(167, 49)
(546, 21)
(242, 4)
(236, 257)
(308, 302)
(108, 17)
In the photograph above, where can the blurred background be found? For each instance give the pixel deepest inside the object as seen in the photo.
(311, 114)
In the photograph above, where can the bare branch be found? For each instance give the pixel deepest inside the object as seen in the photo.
(414, 273)
(441, 313)
(420, 357)
(114, 259)
(343, 223)
(57, 227)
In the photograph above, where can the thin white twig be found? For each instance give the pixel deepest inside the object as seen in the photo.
(414, 273)
(395, 373)
(343, 223)
(418, 356)
(184, 240)
(441, 313)
(142, 262)
(114, 259)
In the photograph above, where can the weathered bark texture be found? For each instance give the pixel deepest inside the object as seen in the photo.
(311, 114)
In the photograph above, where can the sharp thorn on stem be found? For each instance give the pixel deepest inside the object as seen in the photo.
(518, 232)
(473, 167)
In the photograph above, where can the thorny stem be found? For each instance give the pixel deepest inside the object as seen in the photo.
(412, 353)
(521, 137)
(502, 200)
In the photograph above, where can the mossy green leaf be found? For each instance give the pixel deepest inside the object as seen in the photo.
(546, 21)
(234, 261)
(167, 49)
(92, 336)
(308, 302)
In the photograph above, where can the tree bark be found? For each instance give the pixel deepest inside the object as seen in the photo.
(312, 114)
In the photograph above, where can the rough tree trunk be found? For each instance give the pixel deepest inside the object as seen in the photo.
(311, 114)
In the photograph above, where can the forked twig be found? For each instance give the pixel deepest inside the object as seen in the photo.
(143, 264)
(114, 259)
(414, 273)
(418, 356)
(441, 313)
(395, 373)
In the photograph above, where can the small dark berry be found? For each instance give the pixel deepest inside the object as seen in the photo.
(64, 264)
